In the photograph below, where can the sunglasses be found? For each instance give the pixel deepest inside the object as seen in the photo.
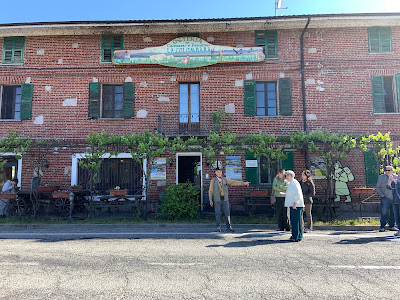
(388, 170)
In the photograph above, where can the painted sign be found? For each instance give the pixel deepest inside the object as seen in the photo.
(159, 169)
(188, 52)
(233, 167)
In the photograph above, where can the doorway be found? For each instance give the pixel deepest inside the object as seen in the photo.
(188, 168)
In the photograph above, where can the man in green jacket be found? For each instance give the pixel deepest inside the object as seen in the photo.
(218, 194)
(279, 185)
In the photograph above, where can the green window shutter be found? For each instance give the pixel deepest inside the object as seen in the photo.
(129, 97)
(285, 97)
(268, 39)
(251, 173)
(380, 39)
(378, 94)
(109, 44)
(26, 101)
(398, 89)
(371, 168)
(250, 97)
(195, 34)
(13, 50)
(94, 100)
(288, 163)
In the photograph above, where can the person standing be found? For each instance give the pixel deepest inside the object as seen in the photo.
(395, 185)
(308, 188)
(218, 195)
(385, 191)
(294, 200)
(279, 185)
(8, 187)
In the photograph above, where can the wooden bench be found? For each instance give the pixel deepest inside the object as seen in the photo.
(133, 202)
(252, 202)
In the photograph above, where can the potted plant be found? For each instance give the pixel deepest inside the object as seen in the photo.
(364, 190)
(74, 188)
(117, 191)
(61, 194)
(8, 195)
(259, 192)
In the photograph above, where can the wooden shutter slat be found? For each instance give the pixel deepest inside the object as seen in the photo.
(385, 39)
(94, 100)
(378, 97)
(285, 97)
(129, 99)
(26, 101)
(250, 97)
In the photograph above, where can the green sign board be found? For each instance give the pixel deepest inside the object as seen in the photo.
(188, 52)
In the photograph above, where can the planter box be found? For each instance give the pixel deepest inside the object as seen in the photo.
(259, 193)
(60, 195)
(48, 188)
(118, 192)
(75, 188)
(8, 195)
(367, 191)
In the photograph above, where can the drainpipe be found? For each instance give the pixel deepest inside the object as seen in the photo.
(303, 87)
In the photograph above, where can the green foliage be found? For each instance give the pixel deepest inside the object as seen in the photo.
(14, 143)
(180, 202)
(218, 116)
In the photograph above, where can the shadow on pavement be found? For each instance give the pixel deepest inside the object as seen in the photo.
(362, 241)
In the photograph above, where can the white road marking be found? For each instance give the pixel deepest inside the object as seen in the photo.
(19, 263)
(366, 267)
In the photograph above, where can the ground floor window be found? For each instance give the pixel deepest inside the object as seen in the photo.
(123, 172)
(8, 167)
(267, 170)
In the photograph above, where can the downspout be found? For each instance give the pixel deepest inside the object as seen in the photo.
(303, 87)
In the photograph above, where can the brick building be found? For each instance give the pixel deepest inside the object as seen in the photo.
(333, 72)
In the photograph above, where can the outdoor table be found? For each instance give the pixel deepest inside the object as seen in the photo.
(116, 202)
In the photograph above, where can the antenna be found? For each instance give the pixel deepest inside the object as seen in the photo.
(278, 4)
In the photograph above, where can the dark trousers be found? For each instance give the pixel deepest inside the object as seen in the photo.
(396, 213)
(296, 222)
(387, 206)
(282, 214)
(227, 212)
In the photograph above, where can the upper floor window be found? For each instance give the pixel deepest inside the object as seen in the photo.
(13, 50)
(16, 102)
(380, 39)
(111, 101)
(269, 98)
(268, 39)
(109, 44)
(386, 94)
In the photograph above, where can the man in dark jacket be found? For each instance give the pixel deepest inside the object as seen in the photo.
(218, 195)
(385, 191)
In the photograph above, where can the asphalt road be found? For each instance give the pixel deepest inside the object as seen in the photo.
(193, 262)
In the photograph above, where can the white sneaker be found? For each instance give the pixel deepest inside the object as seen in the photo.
(397, 233)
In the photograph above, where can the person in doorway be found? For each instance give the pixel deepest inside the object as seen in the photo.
(8, 187)
(294, 200)
(385, 191)
(279, 185)
(218, 195)
(308, 188)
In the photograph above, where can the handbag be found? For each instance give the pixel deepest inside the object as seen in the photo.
(273, 199)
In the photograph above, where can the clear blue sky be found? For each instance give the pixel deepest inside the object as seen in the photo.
(18, 11)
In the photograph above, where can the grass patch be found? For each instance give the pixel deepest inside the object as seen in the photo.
(351, 222)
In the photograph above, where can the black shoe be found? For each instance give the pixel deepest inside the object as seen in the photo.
(231, 229)
(292, 240)
(219, 229)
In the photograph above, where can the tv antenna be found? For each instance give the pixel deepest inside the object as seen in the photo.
(278, 4)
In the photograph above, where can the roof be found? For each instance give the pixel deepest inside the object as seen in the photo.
(198, 25)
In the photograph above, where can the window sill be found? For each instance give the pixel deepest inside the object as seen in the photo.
(267, 116)
(372, 53)
(10, 120)
(106, 62)
(393, 113)
(12, 64)
(112, 119)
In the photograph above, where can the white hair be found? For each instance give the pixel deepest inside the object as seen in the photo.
(290, 172)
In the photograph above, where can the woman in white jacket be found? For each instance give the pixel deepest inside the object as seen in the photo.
(294, 200)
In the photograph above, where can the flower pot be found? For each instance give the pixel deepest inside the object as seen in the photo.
(8, 195)
(118, 192)
(73, 188)
(48, 188)
(364, 190)
(60, 194)
(259, 193)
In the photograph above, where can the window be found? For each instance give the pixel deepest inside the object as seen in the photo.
(123, 172)
(380, 39)
(16, 102)
(385, 94)
(266, 104)
(265, 98)
(11, 103)
(13, 50)
(189, 107)
(268, 39)
(111, 101)
(267, 170)
(109, 44)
